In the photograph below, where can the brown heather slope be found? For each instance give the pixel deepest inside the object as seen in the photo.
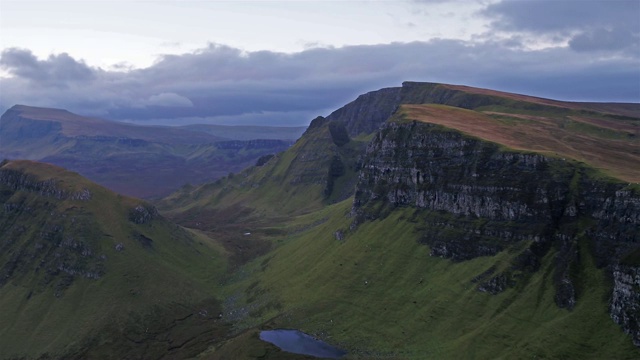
(610, 145)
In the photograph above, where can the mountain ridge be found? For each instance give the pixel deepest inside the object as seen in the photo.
(541, 240)
(369, 110)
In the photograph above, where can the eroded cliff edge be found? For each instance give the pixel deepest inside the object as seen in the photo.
(476, 198)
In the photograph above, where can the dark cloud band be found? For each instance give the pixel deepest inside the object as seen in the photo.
(601, 63)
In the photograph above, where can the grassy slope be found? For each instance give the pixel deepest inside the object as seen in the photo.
(261, 200)
(180, 267)
(290, 183)
(380, 294)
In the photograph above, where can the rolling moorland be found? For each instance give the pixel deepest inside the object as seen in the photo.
(424, 221)
(135, 160)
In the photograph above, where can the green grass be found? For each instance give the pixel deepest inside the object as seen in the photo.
(180, 268)
(292, 182)
(380, 293)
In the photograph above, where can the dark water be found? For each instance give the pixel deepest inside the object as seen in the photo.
(297, 342)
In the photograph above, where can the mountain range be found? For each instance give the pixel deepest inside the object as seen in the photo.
(136, 160)
(422, 221)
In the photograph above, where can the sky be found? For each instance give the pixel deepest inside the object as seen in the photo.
(283, 63)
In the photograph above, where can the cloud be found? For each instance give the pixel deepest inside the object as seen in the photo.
(555, 15)
(434, 1)
(593, 25)
(168, 99)
(57, 70)
(220, 83)
(605, 39)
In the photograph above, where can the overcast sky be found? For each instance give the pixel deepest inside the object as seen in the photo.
(285, 62)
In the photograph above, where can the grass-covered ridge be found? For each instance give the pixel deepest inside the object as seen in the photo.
(84, 268)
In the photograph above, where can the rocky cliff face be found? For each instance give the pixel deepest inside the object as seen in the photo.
(368, 111)
(478, 199)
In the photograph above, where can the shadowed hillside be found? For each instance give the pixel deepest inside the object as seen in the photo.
(87, 273)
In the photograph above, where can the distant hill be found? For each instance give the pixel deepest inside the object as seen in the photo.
(87, 273)
(144, 161)
(32, 122)
(249, 132)
(441, 221)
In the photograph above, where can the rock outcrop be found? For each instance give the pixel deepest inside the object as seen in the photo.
(368, 111)
(142, 214)
(625, 301)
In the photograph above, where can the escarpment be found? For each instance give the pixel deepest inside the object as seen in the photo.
(477, 198)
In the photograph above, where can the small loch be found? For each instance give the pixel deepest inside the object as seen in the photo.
(297, 342)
